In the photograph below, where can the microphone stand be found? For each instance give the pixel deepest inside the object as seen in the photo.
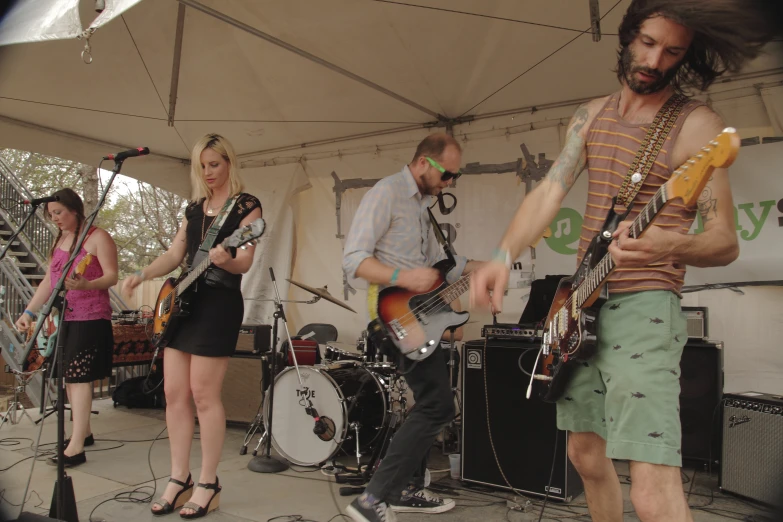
(63, 506)
(266, 463)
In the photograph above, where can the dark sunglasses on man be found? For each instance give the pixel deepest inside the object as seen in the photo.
(445, 175)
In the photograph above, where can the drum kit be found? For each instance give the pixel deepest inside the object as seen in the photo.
(349, 406)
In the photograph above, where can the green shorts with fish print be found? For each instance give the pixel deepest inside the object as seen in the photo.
(629, 391)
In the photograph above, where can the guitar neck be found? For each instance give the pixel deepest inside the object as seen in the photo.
(604, 268)
(453, 291)
(193, 275)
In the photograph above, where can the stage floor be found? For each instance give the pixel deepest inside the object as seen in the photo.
(119, 467)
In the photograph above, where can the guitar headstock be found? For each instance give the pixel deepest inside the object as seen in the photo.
(245, 235)
(83, 264)
(689, 179)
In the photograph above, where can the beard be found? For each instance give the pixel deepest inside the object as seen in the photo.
(661, 81)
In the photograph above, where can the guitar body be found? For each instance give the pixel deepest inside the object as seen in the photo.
(47, 337)
(170, 308)
(575, 339)
(571, 330)
(416, 322)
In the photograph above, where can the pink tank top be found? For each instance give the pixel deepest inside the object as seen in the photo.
(83, 305)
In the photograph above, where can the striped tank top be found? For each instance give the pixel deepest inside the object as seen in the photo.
(612, 144)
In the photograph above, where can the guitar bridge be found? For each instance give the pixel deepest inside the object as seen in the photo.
(398, 329)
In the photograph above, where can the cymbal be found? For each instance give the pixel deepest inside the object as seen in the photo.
(321, 292)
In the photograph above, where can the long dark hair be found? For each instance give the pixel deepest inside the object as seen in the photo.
(70, 200)
(726, 33)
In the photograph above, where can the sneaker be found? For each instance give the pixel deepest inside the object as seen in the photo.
(420, 500)
(365, 509)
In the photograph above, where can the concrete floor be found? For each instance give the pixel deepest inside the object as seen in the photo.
(116, 468)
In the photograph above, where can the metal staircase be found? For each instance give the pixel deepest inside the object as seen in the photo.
(23, 269)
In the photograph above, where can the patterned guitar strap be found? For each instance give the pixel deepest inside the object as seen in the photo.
(651, 146)
(213, 231)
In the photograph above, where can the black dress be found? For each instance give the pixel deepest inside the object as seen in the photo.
(212, 328)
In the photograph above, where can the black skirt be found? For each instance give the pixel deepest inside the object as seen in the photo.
(212, 328)
(88, 348)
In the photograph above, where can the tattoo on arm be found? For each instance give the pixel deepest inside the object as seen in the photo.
(572, 159)
(707, 204)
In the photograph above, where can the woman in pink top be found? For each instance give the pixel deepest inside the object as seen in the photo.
(86, 325)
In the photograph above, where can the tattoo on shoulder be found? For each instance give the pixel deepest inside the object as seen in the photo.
(707, 204)
(572, 159)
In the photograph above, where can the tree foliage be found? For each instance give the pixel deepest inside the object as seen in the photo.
(142, 219)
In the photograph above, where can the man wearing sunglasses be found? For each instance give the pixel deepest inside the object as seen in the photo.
(391, 243)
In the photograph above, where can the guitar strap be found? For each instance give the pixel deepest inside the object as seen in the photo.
(213, 231)
(447, 248)
(650, 147)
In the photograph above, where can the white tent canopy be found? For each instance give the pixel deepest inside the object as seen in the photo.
(306, 88)
(285, 76)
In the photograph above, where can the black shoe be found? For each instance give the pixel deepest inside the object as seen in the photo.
(73, 460)
(363, 509)
(420, 500)
(88, 441)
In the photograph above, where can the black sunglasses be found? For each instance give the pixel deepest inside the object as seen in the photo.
(445, 175)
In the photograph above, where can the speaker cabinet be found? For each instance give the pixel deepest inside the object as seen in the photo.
(523, 431)
(242, 388)
(752, 455)
(701, 388)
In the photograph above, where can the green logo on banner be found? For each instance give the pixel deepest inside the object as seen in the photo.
(566, 229)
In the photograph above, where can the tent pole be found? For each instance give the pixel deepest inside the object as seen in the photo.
(175, 66)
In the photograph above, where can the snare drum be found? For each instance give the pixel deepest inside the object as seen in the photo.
(345, 392)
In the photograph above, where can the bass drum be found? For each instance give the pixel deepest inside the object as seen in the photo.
(344, 393)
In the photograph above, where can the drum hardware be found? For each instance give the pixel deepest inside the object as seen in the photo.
(267, 463)
(451, 429)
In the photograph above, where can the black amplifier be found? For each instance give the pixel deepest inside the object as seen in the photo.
(752, 454)
(509, 441)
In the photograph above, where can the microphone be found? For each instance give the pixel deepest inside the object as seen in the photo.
(324, 428)
(140, 151)
(38, 201)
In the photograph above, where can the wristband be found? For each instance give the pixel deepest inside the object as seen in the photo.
(28, 312)
(139, 273)
(503, 256)
(394, 276)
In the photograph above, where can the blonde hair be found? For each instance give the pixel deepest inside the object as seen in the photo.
(222, 146)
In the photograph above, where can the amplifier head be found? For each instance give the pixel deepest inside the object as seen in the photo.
(696, 317)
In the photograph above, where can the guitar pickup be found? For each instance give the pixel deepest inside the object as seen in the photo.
(398, 329)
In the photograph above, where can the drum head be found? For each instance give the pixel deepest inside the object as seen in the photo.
(292, 429)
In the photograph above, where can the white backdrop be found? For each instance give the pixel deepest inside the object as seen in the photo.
(308, 228)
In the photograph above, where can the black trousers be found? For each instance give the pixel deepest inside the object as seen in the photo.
(405, 459)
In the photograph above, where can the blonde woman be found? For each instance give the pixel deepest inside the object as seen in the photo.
(196, 358)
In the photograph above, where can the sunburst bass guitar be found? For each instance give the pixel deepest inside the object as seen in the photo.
(176, 295)
(570, 331)
(416, 322)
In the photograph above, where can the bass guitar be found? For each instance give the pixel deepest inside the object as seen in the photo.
(570, 331)
(415, 322)
(176, 295)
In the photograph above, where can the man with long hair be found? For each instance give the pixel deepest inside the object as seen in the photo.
(624, 402)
